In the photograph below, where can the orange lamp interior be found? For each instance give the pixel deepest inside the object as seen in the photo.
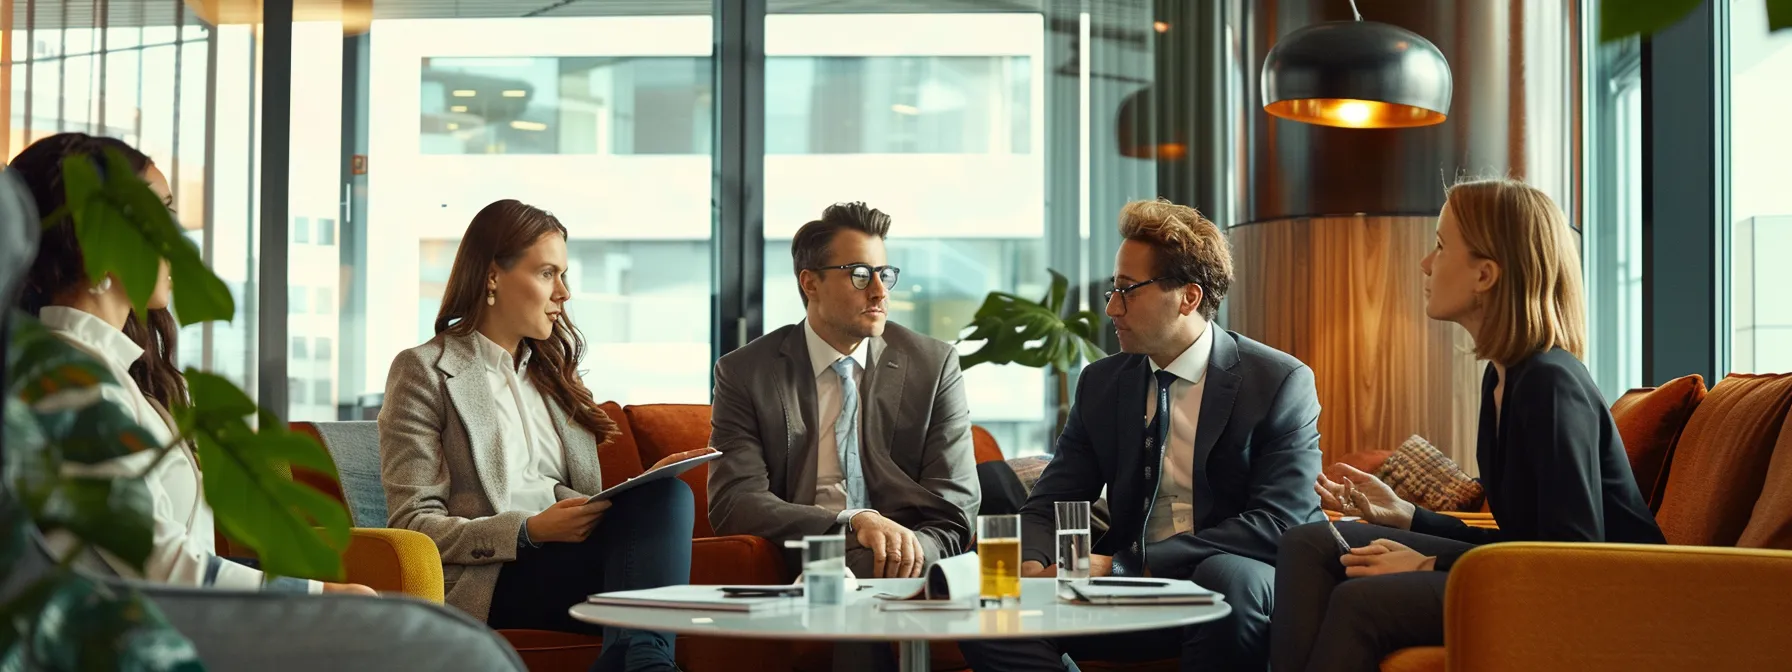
(1348, 113)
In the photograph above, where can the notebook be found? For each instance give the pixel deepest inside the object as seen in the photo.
(951, 584)
(668, 471)
(1125, 591)
(707, 598)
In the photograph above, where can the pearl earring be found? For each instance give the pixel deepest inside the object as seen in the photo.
(103, 286)
(491, 298)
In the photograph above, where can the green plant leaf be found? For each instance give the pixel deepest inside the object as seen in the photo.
(1619, 19)
(199, 296)
(1054, 299)
(295, 530)
(115, 514)
(1779, 14)
(75, 623)
(110, 244)
(96, 432)
(39, 364)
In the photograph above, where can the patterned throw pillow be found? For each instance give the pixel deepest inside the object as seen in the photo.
(1423, 475)
(1028, 470)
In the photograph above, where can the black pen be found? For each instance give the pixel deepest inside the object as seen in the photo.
(1140, 583)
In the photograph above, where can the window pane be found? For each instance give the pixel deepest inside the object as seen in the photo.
(602, 120)
(301, 230)
(1614, 238)
(1761, 204)
(924, 117)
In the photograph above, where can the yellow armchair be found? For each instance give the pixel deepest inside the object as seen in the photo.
(394, 561)
(1598, 607)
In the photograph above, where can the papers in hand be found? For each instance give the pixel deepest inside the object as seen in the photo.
(707, 598)
(950, 584)
(663, 472)
(1126, 591)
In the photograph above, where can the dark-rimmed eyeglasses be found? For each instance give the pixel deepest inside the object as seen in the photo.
(1108, 296)
(861, 274)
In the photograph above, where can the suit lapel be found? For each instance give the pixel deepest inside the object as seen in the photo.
(473, 402)
(579, 447)
(797, 394)
(1129, 416)
(1221, 390)
(881, 400)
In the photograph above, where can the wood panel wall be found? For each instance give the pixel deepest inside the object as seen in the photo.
(1345, 295)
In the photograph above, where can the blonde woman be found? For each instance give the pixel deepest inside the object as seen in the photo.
(1505, 268)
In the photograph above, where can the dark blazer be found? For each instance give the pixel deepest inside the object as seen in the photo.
(1256, 459)
(915, 450)
(1552, 463)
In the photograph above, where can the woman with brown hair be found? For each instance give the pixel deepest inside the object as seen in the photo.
(1505, 268)
(96, 316)
(488, 444)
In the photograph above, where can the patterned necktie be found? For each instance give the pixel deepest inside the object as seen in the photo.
(846, 435)
(1156, 434)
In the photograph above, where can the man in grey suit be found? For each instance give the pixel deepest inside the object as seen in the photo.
(844, 422)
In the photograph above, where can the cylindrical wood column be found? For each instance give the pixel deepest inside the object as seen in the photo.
(1345, 295)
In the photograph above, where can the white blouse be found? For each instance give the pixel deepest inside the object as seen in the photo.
(183, 551)
(533, 457)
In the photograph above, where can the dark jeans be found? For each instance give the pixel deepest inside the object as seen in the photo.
(644, 541)
(1326, 621)
(1237, 642)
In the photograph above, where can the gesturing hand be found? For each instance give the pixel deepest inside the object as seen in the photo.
(568, 520)
(895, 551)
(1362, 494)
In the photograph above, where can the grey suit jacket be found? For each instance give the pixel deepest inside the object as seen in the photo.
(915, 446)
(442, 464)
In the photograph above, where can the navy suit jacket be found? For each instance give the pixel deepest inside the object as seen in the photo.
(1256, 459)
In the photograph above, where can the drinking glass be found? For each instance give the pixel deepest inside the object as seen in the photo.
(998, 557)
(824, 569)
(1073, 540)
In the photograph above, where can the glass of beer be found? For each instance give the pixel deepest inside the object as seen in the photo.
(998, 557)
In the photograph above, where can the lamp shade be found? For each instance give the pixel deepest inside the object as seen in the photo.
(1357, 74)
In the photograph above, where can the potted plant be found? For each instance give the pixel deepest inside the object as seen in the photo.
(55, 421)
(1038, 334)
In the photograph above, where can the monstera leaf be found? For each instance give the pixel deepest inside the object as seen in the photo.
(1018, 330)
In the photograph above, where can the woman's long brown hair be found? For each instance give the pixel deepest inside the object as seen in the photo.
(498, 236)
(60, 266)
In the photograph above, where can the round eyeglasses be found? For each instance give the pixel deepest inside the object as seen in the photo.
(1108, 296)
(861, 274)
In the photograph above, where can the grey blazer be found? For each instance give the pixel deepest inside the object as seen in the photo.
(919, 467)
(442, 464)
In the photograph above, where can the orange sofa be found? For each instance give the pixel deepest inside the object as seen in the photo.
(1717, 469)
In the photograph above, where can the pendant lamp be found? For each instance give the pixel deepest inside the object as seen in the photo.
(1357, 74)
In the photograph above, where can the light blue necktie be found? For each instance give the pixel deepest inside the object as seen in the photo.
(846, 435)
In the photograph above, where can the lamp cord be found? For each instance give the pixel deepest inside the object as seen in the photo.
(1359, 15)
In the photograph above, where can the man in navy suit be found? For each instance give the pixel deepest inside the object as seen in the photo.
(1206, 441)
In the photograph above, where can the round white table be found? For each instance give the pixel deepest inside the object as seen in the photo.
(1040, 614)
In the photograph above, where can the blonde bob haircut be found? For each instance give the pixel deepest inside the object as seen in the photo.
(1536, 302)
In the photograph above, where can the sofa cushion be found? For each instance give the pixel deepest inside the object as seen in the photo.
(1651, 420)
(1720, 462)
(665, 429)
(1770, 525)
(620, 457)
(984, 445)
(1423, 475)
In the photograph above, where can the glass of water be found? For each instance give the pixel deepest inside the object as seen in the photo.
(1073, 540)
(824, 569)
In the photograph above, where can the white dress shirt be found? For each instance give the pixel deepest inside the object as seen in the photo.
(183, 549)
(534, 460)
(1173, 511)
(830, 483)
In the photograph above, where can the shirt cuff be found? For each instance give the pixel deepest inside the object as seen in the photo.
(522, 536)
(845, 517)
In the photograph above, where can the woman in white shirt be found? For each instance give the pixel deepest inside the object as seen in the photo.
(96, 317)
(488, 444)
